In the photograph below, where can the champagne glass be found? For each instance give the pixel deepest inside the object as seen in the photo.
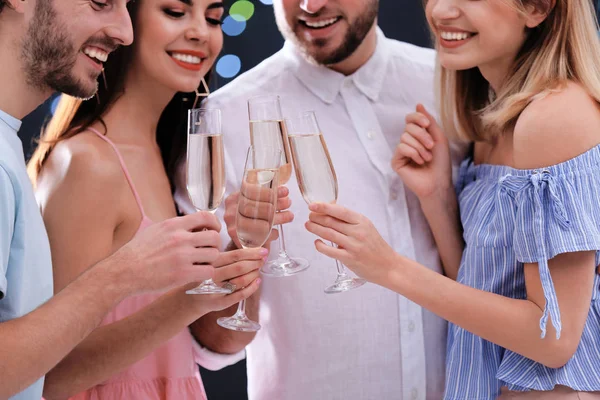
(205, 177)
(267, 128)
(316, 178)
(255, 214)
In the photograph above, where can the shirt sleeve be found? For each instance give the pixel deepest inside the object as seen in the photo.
(556, 213)
(215, 361)
(7, 224)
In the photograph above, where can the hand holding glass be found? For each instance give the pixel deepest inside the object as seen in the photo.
(316, 178)
(267, 129)
(205, 177)
(255, 214)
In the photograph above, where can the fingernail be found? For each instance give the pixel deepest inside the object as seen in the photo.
(258, 281)
(264, 252)
(265, 259)
(313, 207)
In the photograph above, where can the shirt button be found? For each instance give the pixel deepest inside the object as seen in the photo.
(371, 135)
(414, 394)
(411, 327)
(348, 83)
(394, 194)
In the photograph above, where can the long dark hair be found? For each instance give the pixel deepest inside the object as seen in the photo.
(73, 116)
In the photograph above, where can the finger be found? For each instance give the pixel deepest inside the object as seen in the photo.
(256, 192)
(330, 222)
(283, 191)
(273, 236)
(418, 118)
(328, 234)
(330, 251)
(241, 282)
(254, 230)
(236, 270)
(204, 255)
(336, 211)
(410, 153)
(421, 135)
(256, 209)
(205, 239)
(411, 141)
(198, 221)
(283, 203)
(434, 129)
(234, 256)
(197, 274)
(284, 217)
(241, 294)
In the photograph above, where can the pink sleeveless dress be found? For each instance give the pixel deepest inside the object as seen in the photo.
(170, 372)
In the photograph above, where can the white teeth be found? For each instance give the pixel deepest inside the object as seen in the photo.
(455, 36)
(186, 58)
(96, 53)
(321, 24)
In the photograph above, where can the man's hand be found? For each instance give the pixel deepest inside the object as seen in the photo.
(170, 254)
(281, 217)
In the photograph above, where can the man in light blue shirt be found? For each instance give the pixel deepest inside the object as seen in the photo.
(42, 43)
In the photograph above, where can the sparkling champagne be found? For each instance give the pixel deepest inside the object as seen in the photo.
(206, 171)
(273, 134)
(314, 171)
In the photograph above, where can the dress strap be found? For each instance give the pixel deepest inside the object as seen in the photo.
(123, 167)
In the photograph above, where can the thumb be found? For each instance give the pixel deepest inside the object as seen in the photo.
(434, 129)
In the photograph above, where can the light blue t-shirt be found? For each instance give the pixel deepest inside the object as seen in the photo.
(25, 262)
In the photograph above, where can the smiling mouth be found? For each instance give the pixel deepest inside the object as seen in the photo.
(319, 24)
(456, 36)
(186, 58)
(97, 55)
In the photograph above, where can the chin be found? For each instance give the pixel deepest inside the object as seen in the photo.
(456, 63)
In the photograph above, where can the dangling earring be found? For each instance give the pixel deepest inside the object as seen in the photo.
(198, 94)
(105, 86)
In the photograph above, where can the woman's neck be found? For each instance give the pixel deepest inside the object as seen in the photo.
(134, 116)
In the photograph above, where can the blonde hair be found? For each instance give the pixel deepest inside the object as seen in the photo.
(565, 47)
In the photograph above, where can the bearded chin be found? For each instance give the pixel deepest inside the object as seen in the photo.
(49, 57)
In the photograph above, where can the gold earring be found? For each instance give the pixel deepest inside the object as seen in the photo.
(198, 94)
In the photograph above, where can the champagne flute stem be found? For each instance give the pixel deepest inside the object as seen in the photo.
(282, 251)
(241, 310)
(341, 269)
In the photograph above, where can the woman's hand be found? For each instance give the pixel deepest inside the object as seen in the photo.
(238, 269)
(422, 159)
(361, 247)
(281, 217)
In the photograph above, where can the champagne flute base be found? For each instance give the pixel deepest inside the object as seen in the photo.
(238, 324)
(209, 287)
(285, 267)
(343, 284)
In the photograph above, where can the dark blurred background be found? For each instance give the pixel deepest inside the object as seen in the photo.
(251, 36)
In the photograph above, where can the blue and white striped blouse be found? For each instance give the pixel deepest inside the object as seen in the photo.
(511, 217)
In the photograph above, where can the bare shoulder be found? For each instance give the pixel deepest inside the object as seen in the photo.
(556, 127)
(83, 166)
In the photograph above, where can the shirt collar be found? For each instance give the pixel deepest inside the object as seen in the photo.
(326, 83)
(11, 121)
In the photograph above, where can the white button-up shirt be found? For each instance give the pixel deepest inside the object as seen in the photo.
(369, 343)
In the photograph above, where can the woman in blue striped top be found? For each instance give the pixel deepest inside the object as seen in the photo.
(520, 79)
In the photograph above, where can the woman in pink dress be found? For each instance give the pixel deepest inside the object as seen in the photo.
(104, 171)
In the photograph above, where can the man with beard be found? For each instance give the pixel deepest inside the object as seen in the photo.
(60, 45)
(368, 343)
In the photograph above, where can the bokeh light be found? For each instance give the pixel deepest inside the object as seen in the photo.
(229, 66)
(233, 26)
(267, 2)
(242, 10)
